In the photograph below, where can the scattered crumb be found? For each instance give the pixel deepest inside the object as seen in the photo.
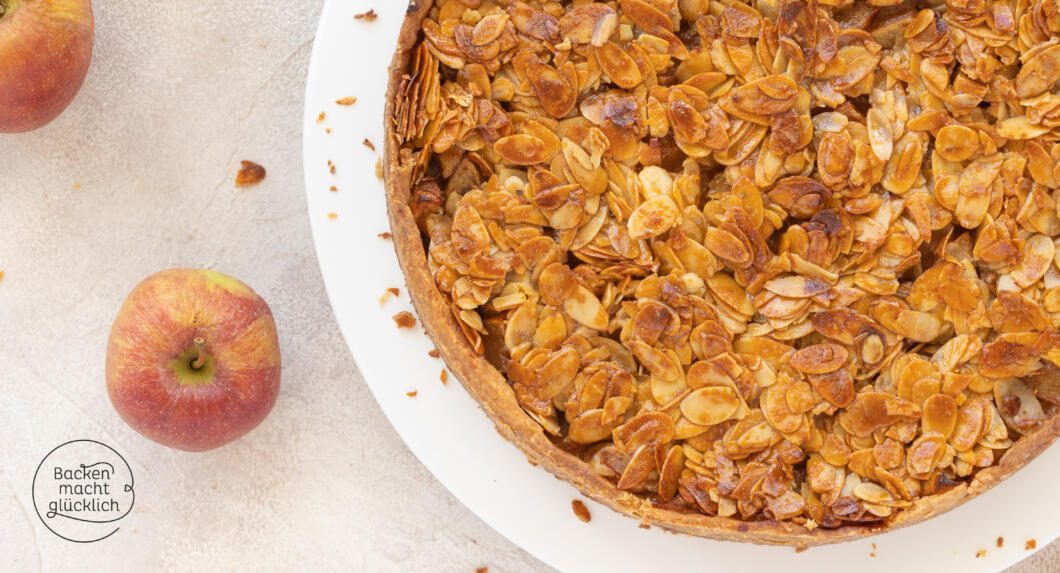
(347, 101)
(333, 216)
(333, 189)
(873, 552)
(434, 353)
(368, 16)
(980, 554)
(404, 319)
(1000, 542)
(322, 117)
(482, 570)
(390, 292)
(368, 143)
(385, 235)
(411, 393)
(77, 186)
(1, 276)
(444, 377)
(801, 548)
(581, 511)
(331, 167)
(327, 130)
(379, 169)
(250, 173)
(1031, 544)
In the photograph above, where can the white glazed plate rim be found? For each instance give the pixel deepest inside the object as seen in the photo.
(454, 439)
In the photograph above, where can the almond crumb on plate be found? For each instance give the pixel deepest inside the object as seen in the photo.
(432, 353)
(581, 511)
(346, 101)
(322, 117)
(368, 16)
(394, 291)
(1000, 542)
(333, 216)
(1031, 544)
(404, 319)
(333, 189)
(411, 393)
(250, 173)
(379, 169)
(444, 377)
(482, 570)
(385, 235)
(980, 554)
(368, 143)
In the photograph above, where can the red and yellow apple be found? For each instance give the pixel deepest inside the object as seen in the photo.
(193, 360)
(45, 49)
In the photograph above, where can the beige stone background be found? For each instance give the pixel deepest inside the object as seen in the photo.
(136, 177)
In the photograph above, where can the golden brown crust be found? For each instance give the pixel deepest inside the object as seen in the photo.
(493, 393)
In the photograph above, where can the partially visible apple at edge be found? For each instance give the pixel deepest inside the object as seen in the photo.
(45, 51)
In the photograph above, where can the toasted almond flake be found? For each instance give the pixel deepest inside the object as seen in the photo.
(581, 511)
(404, 319)
(250, 173)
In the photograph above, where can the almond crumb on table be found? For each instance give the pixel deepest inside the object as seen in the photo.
(581, 511)
(404, 319)
(250, 173)
(369, 16)
(482, 570)
(346, 101)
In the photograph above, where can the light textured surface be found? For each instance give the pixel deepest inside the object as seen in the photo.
(136, 177)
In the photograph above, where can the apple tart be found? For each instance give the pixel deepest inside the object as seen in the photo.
(778, 271)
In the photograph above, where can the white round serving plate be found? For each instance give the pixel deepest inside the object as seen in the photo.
(453, 437)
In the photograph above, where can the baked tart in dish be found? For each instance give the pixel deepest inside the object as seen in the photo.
(777, 271)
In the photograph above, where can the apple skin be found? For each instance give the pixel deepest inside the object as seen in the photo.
(45, 51)
(153, 345)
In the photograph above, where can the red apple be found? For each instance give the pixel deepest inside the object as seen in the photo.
(193, 360)
(45, 49)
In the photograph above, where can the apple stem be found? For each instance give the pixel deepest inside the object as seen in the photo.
(200, 358)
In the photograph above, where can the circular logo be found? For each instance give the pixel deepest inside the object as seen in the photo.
(82, 489)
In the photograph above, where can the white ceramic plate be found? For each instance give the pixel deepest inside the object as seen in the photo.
(448, 432)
